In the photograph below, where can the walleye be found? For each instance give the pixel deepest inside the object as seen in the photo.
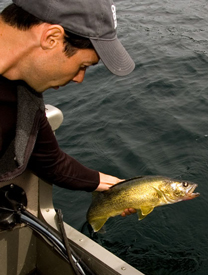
(143, 193)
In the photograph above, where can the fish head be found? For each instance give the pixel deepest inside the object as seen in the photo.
(175, 190)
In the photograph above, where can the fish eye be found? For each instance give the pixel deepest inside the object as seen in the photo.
(185, 184)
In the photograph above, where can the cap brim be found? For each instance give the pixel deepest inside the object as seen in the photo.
(114, 56)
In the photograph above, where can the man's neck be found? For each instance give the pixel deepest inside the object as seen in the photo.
(15, 47)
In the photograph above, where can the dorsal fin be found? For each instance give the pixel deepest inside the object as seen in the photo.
(134, 178)
(122, 182)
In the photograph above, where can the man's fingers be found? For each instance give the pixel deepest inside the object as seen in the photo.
(128, 211)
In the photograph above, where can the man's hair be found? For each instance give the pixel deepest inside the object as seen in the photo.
(22, 20)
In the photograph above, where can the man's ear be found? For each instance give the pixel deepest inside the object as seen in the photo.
(52, 35)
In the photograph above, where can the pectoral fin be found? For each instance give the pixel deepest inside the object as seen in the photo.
(98, 224)
(144, 211)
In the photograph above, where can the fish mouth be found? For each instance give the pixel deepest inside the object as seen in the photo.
(190, 194)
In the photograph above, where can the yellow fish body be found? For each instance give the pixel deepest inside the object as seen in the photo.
(143, 193)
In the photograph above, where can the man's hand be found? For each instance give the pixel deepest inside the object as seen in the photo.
(106, 181)
(128, 211)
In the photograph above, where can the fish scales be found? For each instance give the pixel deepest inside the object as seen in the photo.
(143, 193)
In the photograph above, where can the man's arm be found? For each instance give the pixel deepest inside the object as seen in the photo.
(51, 164)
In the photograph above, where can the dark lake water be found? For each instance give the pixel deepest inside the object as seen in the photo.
(152, 122)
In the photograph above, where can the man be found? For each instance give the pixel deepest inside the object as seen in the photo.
(46, 44)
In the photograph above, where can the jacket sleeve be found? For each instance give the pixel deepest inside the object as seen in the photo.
(54, 166)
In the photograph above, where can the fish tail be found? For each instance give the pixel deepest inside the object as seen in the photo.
(98, 224)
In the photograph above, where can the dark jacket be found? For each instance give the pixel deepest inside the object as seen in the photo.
(27, 141)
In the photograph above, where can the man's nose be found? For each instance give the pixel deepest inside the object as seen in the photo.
(79, 77)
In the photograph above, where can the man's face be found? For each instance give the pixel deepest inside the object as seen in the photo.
(58, 69)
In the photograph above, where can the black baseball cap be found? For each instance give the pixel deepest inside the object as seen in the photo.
(93, 19)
